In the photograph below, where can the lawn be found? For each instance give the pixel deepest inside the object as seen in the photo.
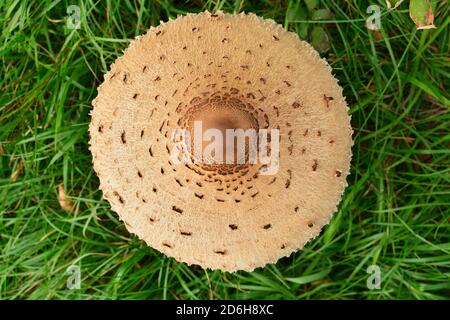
(394, 214)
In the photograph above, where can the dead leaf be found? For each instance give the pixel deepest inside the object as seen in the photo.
(378, 36)
(15, 175)
(65, 203)
(393, 4)
(421, 13)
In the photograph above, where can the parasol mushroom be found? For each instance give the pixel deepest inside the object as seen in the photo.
(229, 71)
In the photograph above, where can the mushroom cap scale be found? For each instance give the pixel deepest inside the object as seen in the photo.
(229, 70)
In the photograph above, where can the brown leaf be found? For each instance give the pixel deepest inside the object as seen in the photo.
(65, 203)
(17, 172)
(393, 4)
(377, 34)
(421, 13)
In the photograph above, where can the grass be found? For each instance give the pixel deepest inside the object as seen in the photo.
(395, 213)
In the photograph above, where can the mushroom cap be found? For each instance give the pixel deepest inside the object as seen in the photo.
(253, 73)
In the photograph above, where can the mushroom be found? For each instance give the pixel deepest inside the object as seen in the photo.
(228, 71)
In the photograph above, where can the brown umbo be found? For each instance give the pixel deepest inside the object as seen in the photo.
(246, 72)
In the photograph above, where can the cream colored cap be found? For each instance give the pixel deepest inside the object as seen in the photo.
(235, 66)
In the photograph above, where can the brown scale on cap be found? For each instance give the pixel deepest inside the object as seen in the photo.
(230, 71)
